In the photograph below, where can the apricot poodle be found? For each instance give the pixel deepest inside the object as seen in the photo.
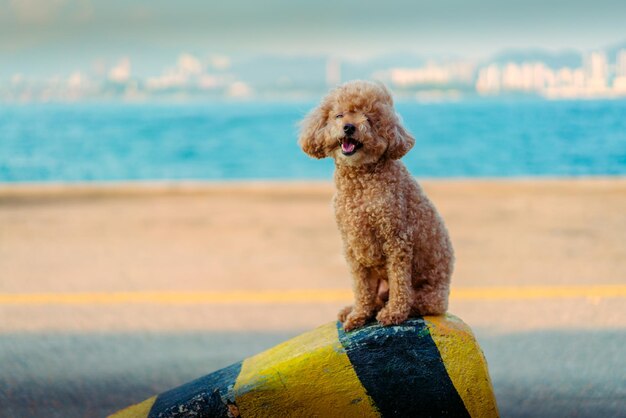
(395, 242)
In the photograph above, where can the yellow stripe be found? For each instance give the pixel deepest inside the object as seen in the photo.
(140, 410)
(465, 364)
(539, 292)
(166, 298)
(300, 296)
(309, 375)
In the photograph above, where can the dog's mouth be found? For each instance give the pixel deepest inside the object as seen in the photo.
(349, 146)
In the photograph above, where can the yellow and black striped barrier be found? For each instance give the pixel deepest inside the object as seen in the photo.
(425, 367)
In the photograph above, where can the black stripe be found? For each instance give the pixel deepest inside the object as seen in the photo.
(208, 396)
(402, 371)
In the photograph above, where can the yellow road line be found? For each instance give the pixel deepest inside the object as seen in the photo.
(540, 292)
(299, 296)
(173, 297)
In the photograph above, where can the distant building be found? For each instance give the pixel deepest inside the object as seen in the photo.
(596, 71)
(595, 79)
(619, 83)
(489, 80)
(432, 74)
(333, 71)
(528, 77)
(620, 63)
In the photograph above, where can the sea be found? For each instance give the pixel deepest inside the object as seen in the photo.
(113, 142)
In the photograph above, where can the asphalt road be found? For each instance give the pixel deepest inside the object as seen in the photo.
(535, 374)
(98, 292)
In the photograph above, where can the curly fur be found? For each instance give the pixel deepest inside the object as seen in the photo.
(395, 242)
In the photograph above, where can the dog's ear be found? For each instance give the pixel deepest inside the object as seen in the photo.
(312, 132)
(386, 96)
(400, 142)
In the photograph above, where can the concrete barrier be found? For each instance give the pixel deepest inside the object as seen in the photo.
(426, 367)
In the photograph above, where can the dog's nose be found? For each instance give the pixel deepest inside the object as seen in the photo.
(349, 128)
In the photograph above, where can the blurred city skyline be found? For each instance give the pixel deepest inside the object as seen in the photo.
(69, 50)
(599, 74)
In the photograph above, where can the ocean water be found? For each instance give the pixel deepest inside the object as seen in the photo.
(240, 141)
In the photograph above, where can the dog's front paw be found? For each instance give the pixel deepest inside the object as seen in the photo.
(355, 320)
(343, 314)
(391, 315)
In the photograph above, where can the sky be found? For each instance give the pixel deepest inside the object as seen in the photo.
(51, 35)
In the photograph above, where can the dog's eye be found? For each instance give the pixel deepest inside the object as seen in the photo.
(339, 116)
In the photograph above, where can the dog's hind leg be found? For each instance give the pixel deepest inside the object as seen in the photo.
(430, 295)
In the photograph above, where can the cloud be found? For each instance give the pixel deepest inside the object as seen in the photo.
(189, 70)
(239, 90)
(165, 81)
(189, 65)
(207, 81)
(37, 12)
(121, 72)
(220, 62)
(17, 78)
(76, 80)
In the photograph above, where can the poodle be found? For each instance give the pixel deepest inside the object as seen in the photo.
(395, 242)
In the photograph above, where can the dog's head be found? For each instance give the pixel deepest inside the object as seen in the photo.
(355, 124)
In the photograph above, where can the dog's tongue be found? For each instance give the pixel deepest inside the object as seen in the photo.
(347, 146)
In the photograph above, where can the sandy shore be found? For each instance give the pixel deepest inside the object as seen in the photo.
(277, 236)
